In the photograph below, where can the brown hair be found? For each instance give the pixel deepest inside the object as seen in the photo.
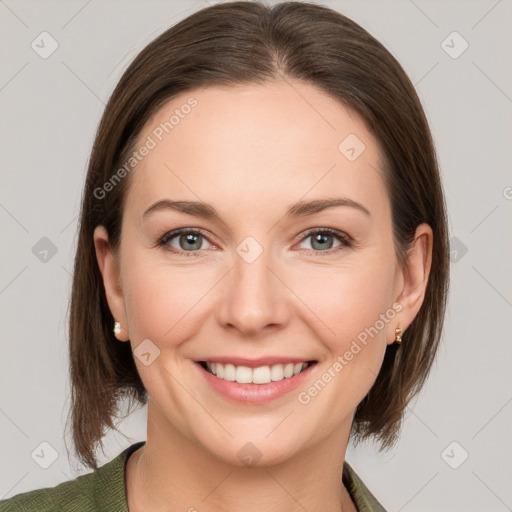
(241, 43)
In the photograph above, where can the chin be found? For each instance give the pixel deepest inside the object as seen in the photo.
(256, 451)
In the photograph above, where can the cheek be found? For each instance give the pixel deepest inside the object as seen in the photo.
(349, 301)
(355, 316)
(163, 300)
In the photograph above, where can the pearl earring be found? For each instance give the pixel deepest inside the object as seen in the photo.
(117, 328)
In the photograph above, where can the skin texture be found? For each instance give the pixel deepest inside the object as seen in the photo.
(252, 152)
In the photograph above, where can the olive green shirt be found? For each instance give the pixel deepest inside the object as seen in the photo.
(104, 490)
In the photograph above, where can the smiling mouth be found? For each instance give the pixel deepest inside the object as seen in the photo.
(259, 375)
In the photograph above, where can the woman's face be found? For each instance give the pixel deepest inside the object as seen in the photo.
(262, 282)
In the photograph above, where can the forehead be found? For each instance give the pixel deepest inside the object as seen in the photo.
(257, 146)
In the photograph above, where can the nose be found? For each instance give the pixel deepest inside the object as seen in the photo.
(254, 299)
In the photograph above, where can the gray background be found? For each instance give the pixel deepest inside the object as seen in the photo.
(50, 110)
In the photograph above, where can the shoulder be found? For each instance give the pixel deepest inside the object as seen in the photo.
(364, 500)
(103, 489)
(74, 495)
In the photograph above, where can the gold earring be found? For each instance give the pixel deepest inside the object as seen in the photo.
(398, 335)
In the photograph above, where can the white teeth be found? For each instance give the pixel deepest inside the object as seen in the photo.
(229, 372)
(288, 370)
(277, 372)
(243, 375)
(260, 375)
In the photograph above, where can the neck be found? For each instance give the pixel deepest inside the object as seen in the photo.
(171, 472)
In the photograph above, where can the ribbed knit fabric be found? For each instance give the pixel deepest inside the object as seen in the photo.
(364, 500)
(103, 490)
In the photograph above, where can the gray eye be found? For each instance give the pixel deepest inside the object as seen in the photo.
(322, 241)
(187, 241)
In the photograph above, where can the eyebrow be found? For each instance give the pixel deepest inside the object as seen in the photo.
(300, 209)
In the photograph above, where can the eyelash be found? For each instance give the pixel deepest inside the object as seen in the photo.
(346, 241)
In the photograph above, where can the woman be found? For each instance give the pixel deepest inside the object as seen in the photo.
(262, 259)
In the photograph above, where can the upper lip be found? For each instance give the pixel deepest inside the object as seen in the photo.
(254, 363)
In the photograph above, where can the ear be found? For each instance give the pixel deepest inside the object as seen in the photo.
(414, 276)
(110, 271)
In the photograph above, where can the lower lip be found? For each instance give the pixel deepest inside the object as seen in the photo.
(255, 393)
